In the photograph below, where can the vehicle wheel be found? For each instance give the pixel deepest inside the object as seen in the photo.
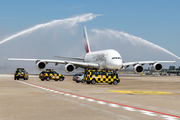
(56, 80)
(77, 81)
(88, 82)
(42, 79)
(47, 79)
(17, 78)
(93, 82)
(115, 82)
(110, 83)
(61, 79)
(14, 78)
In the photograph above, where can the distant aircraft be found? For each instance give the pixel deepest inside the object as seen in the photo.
(105, 59)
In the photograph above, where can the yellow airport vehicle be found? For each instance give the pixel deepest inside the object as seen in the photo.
(50, 75)
(20, 73)
(143, 74)
(101, 76)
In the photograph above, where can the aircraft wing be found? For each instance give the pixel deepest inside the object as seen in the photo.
(77, 64)
(76, 58)
(145, 62)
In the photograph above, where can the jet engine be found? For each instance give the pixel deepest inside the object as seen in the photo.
(69, 68)
(41, 65)
(157, 67)
(138, 68)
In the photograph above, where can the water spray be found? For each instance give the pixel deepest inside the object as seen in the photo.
(69, 21)
(131, 38)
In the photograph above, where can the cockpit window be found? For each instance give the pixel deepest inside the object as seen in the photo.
(116, 58)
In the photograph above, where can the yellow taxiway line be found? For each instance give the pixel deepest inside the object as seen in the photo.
(144, 92)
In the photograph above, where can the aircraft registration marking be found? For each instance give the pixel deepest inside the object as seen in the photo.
(144, 92)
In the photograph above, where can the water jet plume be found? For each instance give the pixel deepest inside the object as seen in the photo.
(71, 22)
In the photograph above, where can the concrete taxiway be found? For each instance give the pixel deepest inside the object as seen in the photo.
(142, 98)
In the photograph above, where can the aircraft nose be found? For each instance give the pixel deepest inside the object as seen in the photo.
(117, 64)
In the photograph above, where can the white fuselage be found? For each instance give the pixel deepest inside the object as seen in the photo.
(107, 59)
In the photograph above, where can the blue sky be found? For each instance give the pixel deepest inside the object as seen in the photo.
(156, 21)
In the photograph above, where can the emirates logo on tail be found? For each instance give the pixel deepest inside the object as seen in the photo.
(87, 48)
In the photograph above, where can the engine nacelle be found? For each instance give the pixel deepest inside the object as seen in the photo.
(138, 68)
(41, 65)
(157, 67)
(69, 68)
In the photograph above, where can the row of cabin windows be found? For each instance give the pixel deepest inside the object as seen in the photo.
(116, 58)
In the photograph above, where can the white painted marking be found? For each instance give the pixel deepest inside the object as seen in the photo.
(5, 75)
(129, 108)
(166, 117)
(67, 94)
(82, 98)
(113, 105)
(110, 104)
(56, 91)
(101, 102)
(147, 113)
(51, 90)
(73, 96)
(91, 100)
(33, 76)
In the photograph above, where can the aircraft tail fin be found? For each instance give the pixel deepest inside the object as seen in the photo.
(87, 47)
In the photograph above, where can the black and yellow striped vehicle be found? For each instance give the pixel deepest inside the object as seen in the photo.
(20, 73)
(50, 75)
(101, 76)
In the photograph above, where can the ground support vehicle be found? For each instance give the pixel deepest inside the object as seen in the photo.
(101, 76)
(78, 77)
(21, 73)
(50, 75)
(173, 72)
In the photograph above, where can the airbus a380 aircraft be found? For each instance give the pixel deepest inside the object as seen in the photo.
(105, 59)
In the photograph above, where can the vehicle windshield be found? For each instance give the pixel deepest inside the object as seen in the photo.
(19, 71)
(55, 72)
(78, 75)
(86, 72)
